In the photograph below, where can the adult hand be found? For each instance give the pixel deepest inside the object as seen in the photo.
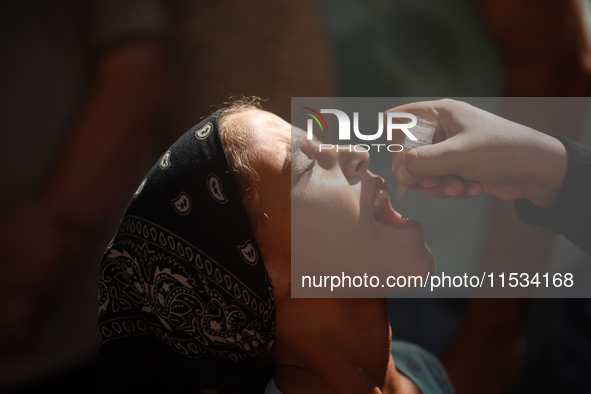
(476, 152)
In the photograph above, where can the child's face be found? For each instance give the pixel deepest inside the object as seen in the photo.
(321, 207)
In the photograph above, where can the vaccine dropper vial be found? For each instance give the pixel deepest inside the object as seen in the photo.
(424, 131)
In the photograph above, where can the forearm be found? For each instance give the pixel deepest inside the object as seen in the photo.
(570, 215)
(110, 134)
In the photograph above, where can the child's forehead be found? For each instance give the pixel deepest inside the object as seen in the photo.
(265, 133)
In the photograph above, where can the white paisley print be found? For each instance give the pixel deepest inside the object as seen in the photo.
(155, 283)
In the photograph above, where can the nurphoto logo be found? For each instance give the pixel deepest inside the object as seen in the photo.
(344, 129)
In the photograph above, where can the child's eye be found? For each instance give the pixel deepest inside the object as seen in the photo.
(309, 167)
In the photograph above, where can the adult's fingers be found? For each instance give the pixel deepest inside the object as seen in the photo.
(453, 187)
(430, 161)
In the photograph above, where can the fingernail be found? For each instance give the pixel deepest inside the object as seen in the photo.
(429, 182)
(402, 175)
(450, 191)
(473, 191)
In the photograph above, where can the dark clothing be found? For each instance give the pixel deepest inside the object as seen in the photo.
(571, 213)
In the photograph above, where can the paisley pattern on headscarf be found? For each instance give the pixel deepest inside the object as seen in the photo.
(184, 268)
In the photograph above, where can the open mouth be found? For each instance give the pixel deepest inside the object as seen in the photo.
(383, 211)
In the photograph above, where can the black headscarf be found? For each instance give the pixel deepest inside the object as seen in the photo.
(185, 300)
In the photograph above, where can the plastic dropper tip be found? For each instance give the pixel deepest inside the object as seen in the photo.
(400, 192)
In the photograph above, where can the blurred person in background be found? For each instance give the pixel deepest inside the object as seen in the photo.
(84, 84)
(527, 32)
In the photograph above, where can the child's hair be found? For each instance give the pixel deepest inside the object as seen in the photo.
(236, 144)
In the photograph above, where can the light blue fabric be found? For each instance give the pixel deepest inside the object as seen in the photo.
(413, 362)
(420, 366)
(272, 388)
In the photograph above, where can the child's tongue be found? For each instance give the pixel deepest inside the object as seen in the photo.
(386, 215)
